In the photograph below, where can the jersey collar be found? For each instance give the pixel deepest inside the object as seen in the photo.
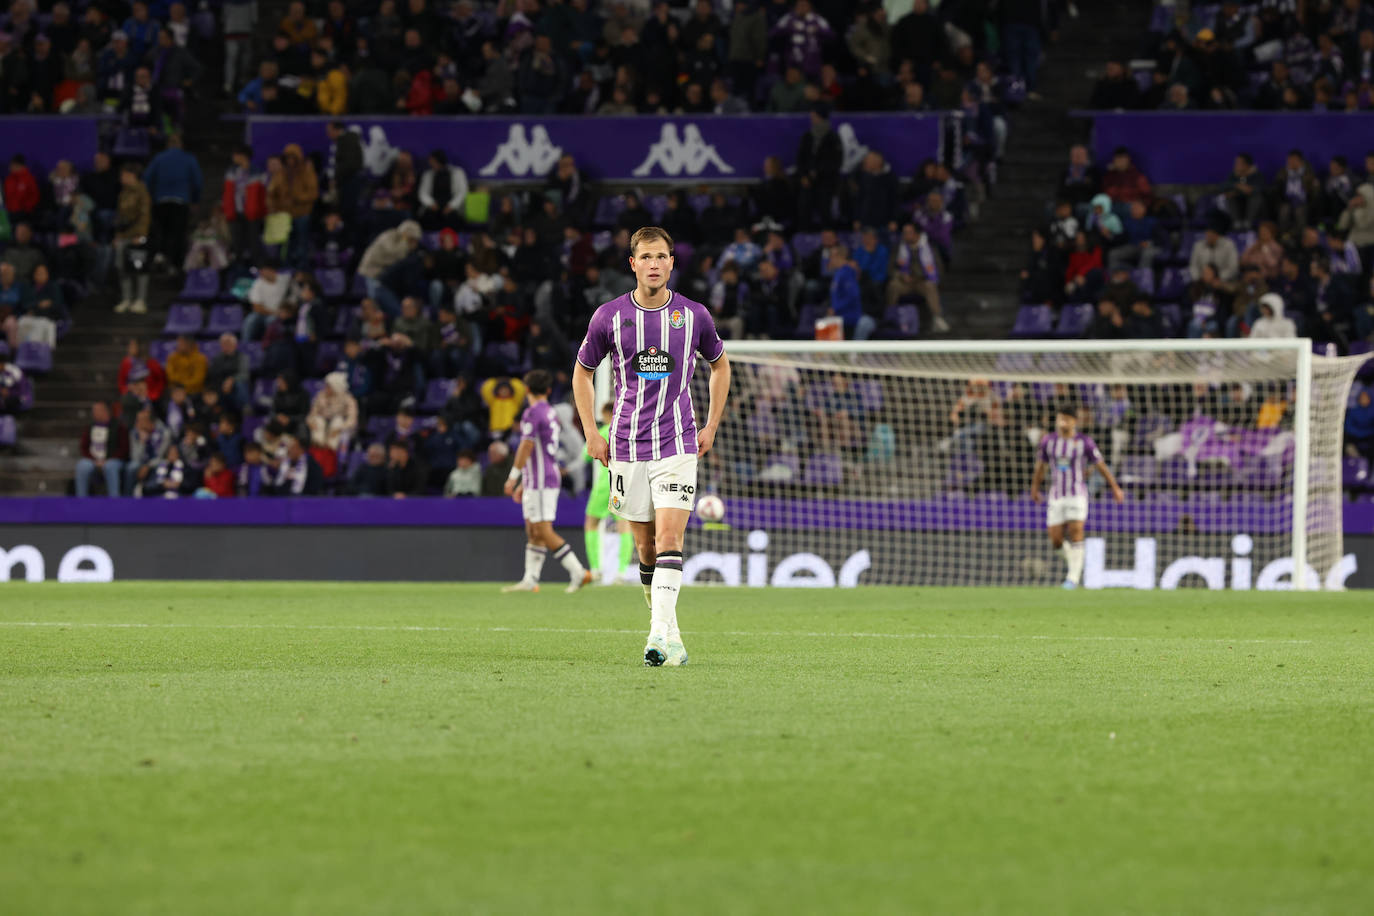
(671, 294)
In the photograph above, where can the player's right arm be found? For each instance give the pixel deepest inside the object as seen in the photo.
(522, 456)
(1037, 479)
(584, 396)
(594, 348)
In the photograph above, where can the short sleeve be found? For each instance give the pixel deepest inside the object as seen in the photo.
(1092, 451)
(597, 343)
(1042, 451)
(708, 342)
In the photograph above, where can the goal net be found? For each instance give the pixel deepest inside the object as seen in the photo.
(893, 463)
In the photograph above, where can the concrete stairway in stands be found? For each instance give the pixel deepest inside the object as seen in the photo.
(980, 289)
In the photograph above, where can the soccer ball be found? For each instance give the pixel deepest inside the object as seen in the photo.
(710, 508)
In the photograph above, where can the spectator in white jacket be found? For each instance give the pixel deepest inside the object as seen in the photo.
(1271, 322)
(443, 188)
(1219, 251)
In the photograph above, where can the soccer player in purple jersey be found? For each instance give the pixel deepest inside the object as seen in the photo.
(1069, 456)
(534, 483)
(653, 337)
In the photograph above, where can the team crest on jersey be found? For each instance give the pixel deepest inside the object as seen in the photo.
(676, 319)
(653, 364)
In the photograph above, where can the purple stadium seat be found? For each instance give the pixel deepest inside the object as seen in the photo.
(1355, 473)
(805, 243)
(806, 322)
(26, 394)
(1138, 471)
(436, 395)
(699, 202)
(224, 319)
(1172, 282)
(608, 210)
(253, 350)
(1033, 321)
(183, 318)
(1015, 362)
(870, 393)
(327, 353)
(380, 427)
(824, 470)
(312, 387)
(210, 348)
(132, 144)
(161, 349)
(343, 320)
(1074, 320)
(682, 253)
(657, 205)
(505, 354)
(4, 350)
(1171, 313)
(429, 241)
(9, 431)
(251, 425)
(356, 459)
(964, 469)
(1144, 277)
(262, 392)
(905, 319)
(202, 285)
(333, 283)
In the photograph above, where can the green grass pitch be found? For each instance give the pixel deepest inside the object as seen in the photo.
(339, 749)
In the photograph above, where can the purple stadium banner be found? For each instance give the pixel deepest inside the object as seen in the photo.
(1200, 147)
(1160, 516)
(44, 139)
(622, 149)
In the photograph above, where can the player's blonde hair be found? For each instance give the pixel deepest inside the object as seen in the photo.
(649, 234)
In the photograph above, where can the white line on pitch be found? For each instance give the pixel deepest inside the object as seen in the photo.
(744, 633)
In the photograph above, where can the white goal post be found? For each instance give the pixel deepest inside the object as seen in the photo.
(909, 463)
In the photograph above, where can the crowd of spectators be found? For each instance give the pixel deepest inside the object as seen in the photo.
(585, 57)
(1283, 254)
(1276, 56)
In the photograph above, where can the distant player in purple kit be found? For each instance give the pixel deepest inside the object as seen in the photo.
(653, 337)
(1069, 456)
(534, 483)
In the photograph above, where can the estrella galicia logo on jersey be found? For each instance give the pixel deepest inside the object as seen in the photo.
(676, 319)
(653, 364)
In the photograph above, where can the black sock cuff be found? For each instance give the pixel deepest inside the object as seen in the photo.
(670, 559)
(558, 554)
(646, 574)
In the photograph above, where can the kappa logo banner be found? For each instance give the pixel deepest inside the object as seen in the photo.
(609, 149)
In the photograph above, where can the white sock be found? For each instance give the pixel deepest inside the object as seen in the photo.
(534, 561)
(570, 561)
(667, 583)
(1075, 562)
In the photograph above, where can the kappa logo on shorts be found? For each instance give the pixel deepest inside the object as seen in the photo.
(653, 364)
(676, 319)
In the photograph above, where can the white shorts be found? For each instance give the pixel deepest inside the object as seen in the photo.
(638, 488)
(1067, 509)
(539, 505)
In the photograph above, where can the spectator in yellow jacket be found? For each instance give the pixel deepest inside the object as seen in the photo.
(505, 399)
(186, 366)
(331, 90)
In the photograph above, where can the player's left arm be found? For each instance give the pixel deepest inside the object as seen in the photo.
(1106, 473)
(522, 456)
(720, 392)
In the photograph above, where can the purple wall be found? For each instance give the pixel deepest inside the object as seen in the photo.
(1199, 147)
(1157, 516)
(48, 138)
(613, 148)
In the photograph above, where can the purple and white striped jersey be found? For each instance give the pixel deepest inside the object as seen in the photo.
(539, 424)
(1069, 460)
(653, 354)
